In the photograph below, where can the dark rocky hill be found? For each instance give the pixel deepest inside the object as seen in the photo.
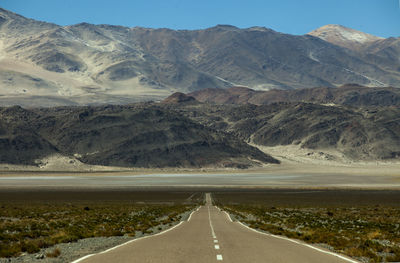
(371, 133)
(178, 98)
(351, 95)
(181, 134)
(131, 136)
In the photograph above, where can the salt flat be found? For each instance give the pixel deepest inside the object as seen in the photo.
(222, 180)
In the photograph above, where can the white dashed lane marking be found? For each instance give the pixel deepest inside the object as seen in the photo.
(208, 201)
(212, 228)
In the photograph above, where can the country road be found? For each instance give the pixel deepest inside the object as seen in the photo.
(210, 236)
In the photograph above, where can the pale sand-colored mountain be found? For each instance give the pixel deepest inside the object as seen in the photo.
(344, 36)
(41, 61)
(43, 64)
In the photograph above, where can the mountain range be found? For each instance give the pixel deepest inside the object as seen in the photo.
(43, 64)
(240, 97)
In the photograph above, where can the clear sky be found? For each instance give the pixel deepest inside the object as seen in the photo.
(378, 17)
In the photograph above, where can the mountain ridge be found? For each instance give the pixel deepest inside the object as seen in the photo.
(85, 64)
(182, 132)
(351, 95)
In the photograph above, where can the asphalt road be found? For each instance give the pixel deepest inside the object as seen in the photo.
(210, 236)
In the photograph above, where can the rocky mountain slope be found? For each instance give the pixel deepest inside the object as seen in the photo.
(350, 95)
(146, 135)
(335, 132)
(43, 64)
(183, 132)
(351, 122)
(369, 48)
(344, 36)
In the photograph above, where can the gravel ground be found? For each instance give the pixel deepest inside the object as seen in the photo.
(74, 250)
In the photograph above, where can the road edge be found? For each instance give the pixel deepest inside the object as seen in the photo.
(136, 239)
(346, 258)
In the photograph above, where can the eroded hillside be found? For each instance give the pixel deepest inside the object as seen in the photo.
(142, 135)
(44, 64)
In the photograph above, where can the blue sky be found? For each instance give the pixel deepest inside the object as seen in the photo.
(378, 17)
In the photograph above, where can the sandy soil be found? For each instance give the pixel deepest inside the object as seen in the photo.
(72, 88)
(295, 159)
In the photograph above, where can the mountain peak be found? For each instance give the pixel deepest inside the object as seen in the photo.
(179, 97)
(260, 28)
(15, 24)
(343, 36)
(225, 27)
(5, 14)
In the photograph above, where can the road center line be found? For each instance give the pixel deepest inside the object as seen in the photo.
(216, 246)
(219, 257)
(209, 219)
(215, 241)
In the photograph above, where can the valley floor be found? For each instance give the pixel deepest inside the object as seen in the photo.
(284, 176)
(299, 168)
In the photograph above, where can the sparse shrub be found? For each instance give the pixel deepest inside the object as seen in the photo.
(354, 231)
(40, 225)
(55, 253)
(29, 246)
(10, 250)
